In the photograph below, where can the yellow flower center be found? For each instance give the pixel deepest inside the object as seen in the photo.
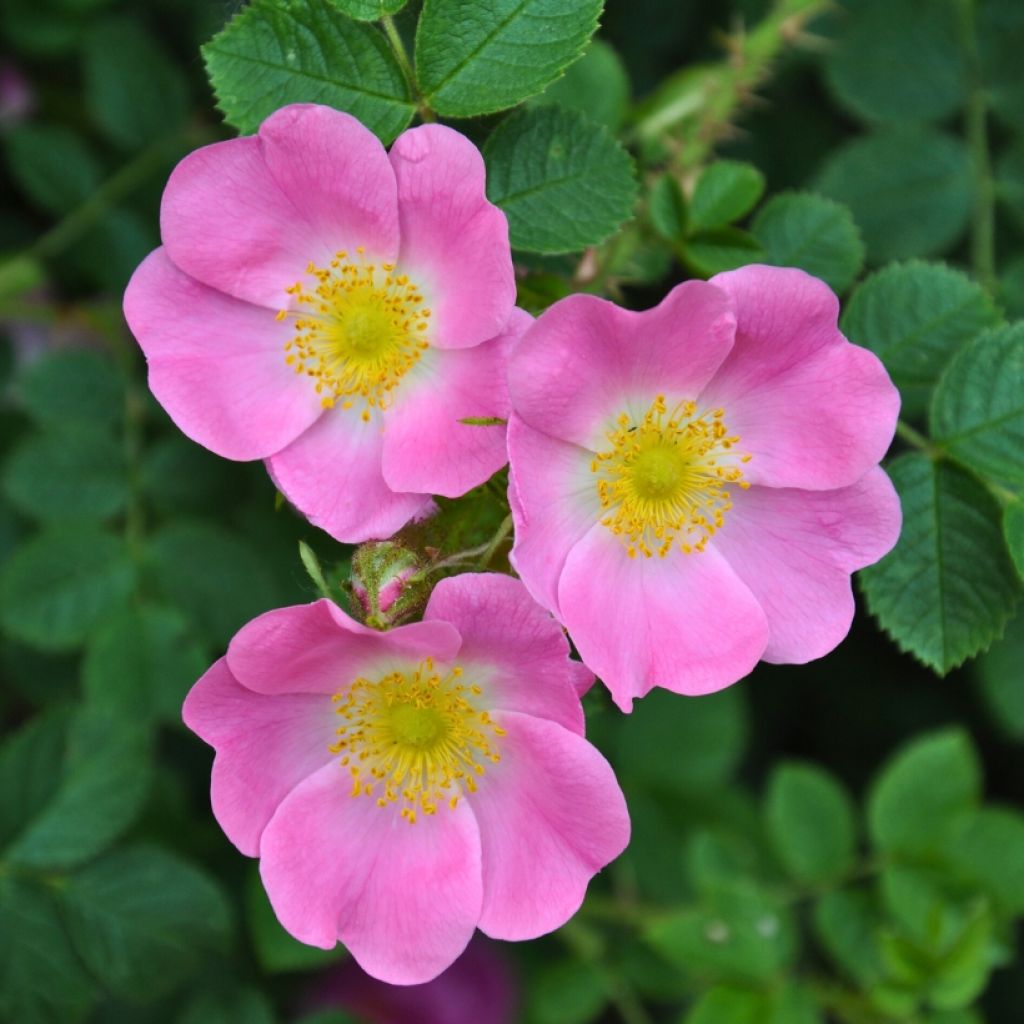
(664, 482)
(419, 739)
(359, 330)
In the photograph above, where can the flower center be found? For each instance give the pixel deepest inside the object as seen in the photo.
(664, 481)
(416, 738)
(357, 332)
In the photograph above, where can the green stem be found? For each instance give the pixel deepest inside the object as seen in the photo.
(907, 433)
(398, 48)
(495, 542)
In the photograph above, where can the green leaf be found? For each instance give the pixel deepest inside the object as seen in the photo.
(1000, 27)
(481, 57)
(52, 165)
(915, 316)
(846, 924)
(666, 208)
(596, 86)
(801, 229)
(369, 10)
(978, 411)
(744, 935)
(177, 475)
(41, 979)
(924, 794)
(909, 192)
(810, 819)
(134, 92)
(947, 589)
(275, 948)
(711, 252)
(141, 664)
(725, 191)
(60, 584)
(707, 737)
(1013, 530)
(232, 1006)
(566, 992)
(563, 182)
(1002, 681)
(67, 474)
(276, 52)
(72, 387)
(727, 1006)
(989, 853)
(30, 770)
(106, 773)
(900, 62)
(213, 576)
(143, 920)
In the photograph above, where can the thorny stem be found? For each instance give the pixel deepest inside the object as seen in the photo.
(398, 48)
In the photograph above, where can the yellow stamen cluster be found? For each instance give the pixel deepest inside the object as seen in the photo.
(416, 738)
(358, 330)
(664, 482)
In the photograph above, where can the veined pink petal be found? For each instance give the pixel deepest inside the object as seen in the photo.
(265, 747)
(332, 474)
(404, 899)
(317, 648)
(795, 550)
(427, 448)
(812, 409)
(454, 242)
(520, 651)
(551, 815)
(585, 360)
(684, 622)
(217, 364)
(554, 501)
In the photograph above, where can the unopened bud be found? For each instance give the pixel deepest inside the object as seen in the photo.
(388, 583)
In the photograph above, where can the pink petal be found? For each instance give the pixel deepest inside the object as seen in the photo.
(554, 502)
(217, 365)
(454, 242)
(317, 648)
(403, 898)
(265, 747)
(226, 222)
(812, 409)
(551, 816)
(332, 475)
(426, 447)
(586, 360)
(796, 549)
(337, 174)
(684, 622)
(514, 648)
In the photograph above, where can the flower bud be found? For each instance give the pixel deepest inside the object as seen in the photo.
(388, 583)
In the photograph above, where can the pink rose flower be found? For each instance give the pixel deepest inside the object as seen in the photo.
(336, 310)
(692, 486)
(404, 788)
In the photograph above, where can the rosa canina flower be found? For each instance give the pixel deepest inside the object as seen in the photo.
(404, 788)
(336, 310)
(692, 486)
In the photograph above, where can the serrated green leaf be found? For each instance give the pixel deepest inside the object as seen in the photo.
(978, 411)
(60, 584)
(915, 316)
(810, 819)
(143, 920)
(134, 92)
(725, 191)
(106, 773)
(276, 52)
(52, 165)
(141, 663)
(846, 924)
(899, 62)
(708, 738)
(711, 252)
(72, 387)
(481, 57)
(596, 86)
(563, 182)
(801, 229)
(924, 794)
(947, 589)
(67, 475)
(910, 192)
(1002, 679)
(41, 979)
(369, 10)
